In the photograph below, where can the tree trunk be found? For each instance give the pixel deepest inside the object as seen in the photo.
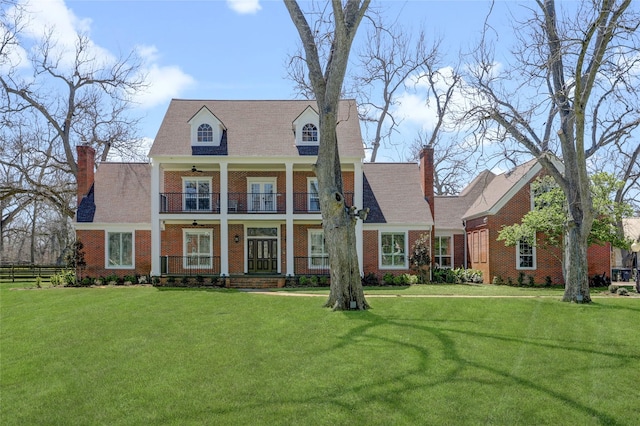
(575, 267)
(346, 292)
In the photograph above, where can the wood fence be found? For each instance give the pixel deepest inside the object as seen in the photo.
(17, 272)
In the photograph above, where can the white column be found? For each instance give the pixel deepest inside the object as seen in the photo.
(289, 216)
(155, 218)
(358, 182)
(224, 220)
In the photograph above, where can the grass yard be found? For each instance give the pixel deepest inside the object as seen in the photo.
(143, 355)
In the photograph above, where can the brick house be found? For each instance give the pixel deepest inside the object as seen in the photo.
(230, 191)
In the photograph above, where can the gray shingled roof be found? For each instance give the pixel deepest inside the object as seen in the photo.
(255, 128)
(395, 194)
(493, 190)
(122, 193)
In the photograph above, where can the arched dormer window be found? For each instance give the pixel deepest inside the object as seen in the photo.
(205, 133)
(309, 133)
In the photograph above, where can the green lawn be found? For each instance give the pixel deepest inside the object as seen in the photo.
(143, 355)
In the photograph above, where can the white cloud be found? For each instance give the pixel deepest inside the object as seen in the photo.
(413, 107)
(164, 82)
(244, 7)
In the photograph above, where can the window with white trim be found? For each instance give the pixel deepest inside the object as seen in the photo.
(442, 250)
(309, 133)
(313, 195)
(120, 248)
(393, 249)
(525, 255)
(198, 248)
(205, 133)
(318, 255)
(197, 194)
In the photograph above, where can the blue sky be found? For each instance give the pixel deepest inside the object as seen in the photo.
(215, 49)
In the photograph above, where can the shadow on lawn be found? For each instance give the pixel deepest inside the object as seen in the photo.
(406, 382)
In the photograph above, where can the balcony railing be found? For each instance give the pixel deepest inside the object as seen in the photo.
(190, 265)
(181, 202)
(257, 202)
(241, 202)
(306, 202)
(315, 265)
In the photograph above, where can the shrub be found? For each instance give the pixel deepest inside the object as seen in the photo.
(86, 282)
(468, 275)
(410, 279)
(510, 281)
(303, 281)
(532, 280)
(622, 291)
(200, 279)
(112, 279)
(548, 282)
(520, 279)
(420, 257)
(129, 279)
(497, 280)
(65, 278)
(171, 280)
(324, 281)
(387, 278)
(314, 280)
(370, 280)
(184, 280)
(142, 279)
(613, 288)
(38, 282)
(155, 280)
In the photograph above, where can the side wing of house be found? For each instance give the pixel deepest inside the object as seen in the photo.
(503, 201)
(113, 218)
(399, 215)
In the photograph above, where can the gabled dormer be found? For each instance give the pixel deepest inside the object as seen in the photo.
(305, 128)
(207, 133)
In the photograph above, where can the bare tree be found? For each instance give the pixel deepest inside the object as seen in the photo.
(52, 97)
(568, 68)
(338, 224)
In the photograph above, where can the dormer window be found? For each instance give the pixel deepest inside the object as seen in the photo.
(310, 133)
(305, 130)
(205, 133)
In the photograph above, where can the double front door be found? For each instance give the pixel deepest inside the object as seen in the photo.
(262, 255)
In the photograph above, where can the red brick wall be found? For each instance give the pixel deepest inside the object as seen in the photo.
(236, 250)
(371, 249)
(94, 254)
(458, 251)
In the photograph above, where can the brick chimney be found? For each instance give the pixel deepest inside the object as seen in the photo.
(426, 172)
(86, 167)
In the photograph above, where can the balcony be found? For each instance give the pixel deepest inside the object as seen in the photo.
(307, 202)
(242, 202)
(181, 202)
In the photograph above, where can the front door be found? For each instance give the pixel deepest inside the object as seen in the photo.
(262, 256)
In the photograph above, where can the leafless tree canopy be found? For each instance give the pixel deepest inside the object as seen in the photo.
(569, 90)
(54, 97)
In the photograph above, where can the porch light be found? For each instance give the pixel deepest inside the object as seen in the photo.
(195, 223)
(236, 238)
